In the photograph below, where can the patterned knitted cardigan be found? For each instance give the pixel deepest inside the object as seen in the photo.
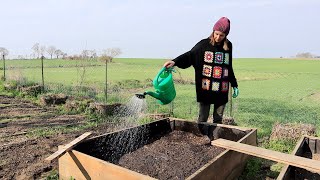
(213, 71)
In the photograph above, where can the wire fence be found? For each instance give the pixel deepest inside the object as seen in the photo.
(83, 77)
(271, 90)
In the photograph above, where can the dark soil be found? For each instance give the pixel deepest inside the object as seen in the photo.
(21, 154)
(175, 156)
(302, 174)
(305, 174)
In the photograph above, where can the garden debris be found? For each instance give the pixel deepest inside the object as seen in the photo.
(228, 121)
(291, 131)
(225, 120)
(31, 90)
(77, 104)
(53, 99)
(105, 109)
(158, 116)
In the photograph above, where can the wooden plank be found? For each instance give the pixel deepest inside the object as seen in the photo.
(83, 167)
(67, 147)
(219, 125)
(309, 164)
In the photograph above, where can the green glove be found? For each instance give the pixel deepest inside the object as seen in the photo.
(235, 92)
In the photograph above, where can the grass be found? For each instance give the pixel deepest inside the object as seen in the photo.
(257, 168)
(285, 146)
(271, 90)
(50, 131)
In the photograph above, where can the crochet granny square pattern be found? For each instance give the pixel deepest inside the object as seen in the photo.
(215, 86)
(218, 58)
(225, 72)
(217, 71)
(225, 86)
(208, 56)
(226, 58)
(205, 84)
(206, 71)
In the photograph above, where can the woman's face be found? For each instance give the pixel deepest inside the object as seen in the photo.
(218, 36)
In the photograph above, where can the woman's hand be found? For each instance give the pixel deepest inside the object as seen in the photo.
(169, 64)
(235, 92)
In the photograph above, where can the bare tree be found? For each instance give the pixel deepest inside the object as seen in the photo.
(85, 54)
(89, 54)
(21, 57)
(64, 55)
(94, 54)
(110, 53)
(3, 52)
(58, 52)
(51, 50)
(82, 66)
(42, 50)
(304, 55)
(36, 49)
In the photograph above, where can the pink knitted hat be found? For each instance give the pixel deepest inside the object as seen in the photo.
(223, 25)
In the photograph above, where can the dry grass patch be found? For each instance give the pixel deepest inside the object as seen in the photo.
(291, 131)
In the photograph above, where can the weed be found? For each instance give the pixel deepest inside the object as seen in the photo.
(252, 168)
(54, 175)
(285, 146)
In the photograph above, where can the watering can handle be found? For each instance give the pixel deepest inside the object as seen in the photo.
(161, 71)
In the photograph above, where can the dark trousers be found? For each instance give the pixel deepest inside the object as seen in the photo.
(204, 110)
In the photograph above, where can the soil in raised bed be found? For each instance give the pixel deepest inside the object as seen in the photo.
(302, 174)
(175, 156)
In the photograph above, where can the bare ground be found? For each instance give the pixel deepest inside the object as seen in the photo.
(21, 154)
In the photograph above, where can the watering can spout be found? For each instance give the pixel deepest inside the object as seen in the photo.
(153, 94)
(150, 93)
(141, 95)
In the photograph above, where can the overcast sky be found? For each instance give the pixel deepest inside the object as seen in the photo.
(160, 28)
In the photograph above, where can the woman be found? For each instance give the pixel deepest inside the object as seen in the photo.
(212, 62)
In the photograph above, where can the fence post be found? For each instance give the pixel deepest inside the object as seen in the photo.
(42, 57)
(4, 68)
(171, 108)
(105, 93)
(230, 100)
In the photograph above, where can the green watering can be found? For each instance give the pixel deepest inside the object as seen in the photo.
(163, 84)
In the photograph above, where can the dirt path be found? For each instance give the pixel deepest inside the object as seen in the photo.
(21, 154)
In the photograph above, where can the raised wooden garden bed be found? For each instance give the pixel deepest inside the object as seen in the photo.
(308, 147)
(164, 149)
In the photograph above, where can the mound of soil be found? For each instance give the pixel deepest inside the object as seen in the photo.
(175, 156)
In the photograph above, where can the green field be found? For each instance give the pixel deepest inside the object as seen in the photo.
(271, 90)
